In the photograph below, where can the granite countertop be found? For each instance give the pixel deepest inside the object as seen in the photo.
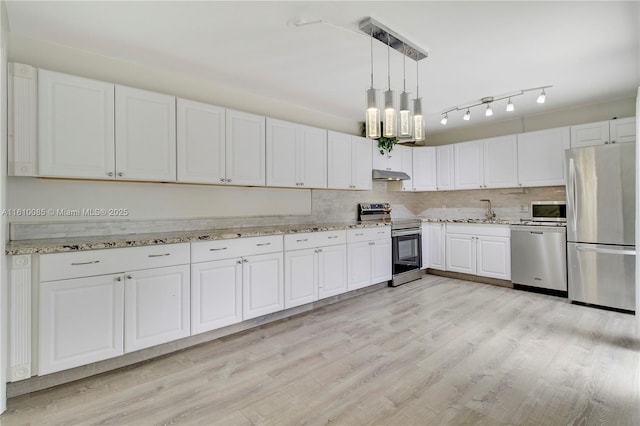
(58, 245)
(496, 222)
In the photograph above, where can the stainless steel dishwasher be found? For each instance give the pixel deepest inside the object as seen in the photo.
(539, 257)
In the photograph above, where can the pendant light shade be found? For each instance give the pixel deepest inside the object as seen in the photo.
(405, 111)
(541, 98)
(488, 112)
(372, 118)
(418, 120)
(510, 105)
(467, 116)
(390, 128)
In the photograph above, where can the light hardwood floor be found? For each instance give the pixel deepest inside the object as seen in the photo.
(434, 351)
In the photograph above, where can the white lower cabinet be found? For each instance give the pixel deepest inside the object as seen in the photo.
(216, 294)
(483, 250)
(157, 306)
(89, 310)
(262, 284)
(368, 256)
(313, 269)
(433, 246)
(81, 321)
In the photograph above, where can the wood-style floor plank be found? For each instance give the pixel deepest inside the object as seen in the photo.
(434, 351)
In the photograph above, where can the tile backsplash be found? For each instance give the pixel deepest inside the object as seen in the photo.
(327, 206)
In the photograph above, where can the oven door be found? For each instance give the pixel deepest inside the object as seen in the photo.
(407, 251)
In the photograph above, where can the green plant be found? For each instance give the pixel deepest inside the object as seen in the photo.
(386, 144)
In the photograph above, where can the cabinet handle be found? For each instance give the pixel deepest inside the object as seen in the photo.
(118, 278)
(120, 174)
(222, 179)
(263, 244)
(613, 141)
(159, 255)
(319, 251)
(91, 262)
(239, 262)
(372, 243)
(359, 235)
(300, 241)
(110, 174)
(217, 249)
(245, 260)
(228, 180)
(332, 237)
(129, 276)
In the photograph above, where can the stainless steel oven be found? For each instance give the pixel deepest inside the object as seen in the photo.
(406, 241)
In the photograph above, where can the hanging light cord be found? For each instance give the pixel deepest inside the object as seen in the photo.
(404, 68)
(389, 60)
(417, 82)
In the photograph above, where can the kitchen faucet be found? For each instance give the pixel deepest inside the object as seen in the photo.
(490, 213)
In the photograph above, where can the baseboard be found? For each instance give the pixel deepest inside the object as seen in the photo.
(469, 277)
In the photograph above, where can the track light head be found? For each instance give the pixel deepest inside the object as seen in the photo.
(510, 106)
(541, 98)
(488, 112)
(444, 120)
(467, 115)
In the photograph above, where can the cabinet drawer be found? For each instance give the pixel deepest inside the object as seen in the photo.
(368, 234)
(479, 229)
(314, 239)
(58, 266)
(237, 247)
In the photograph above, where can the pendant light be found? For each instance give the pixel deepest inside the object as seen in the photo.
(405, 112)
(541, 98)
(488, 112)
(390, 117)
(372, 118)
(510, 106)
(418, 119)
(467, 115)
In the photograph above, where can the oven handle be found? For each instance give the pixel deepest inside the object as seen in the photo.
(402, 233)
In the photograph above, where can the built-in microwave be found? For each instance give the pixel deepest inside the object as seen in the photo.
(549, 211)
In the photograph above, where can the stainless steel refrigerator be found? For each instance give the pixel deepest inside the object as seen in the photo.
(601, 225)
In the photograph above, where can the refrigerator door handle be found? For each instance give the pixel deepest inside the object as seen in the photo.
(572, 189)
(606, 251)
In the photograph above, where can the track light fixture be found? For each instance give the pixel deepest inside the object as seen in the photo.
(375, 29)
(490, 99)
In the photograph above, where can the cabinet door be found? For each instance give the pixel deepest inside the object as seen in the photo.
(501, 162)
(394, 159)
(75, 126)
(312, 157)
(157, 306)
(362, 151)
(358, 265)
(145, 135)
(444, 167)
(461, 253)
(541, 157)
(380, 161)
(332, 270)
(200, 140)
(245, 148)
(622, 130)
(406, 166)
(494, 257)
(300, 277)
(262, 285)
(81, 321)
(425, 241)
(381, 267)
(282, 157)
(339, 161)
(590, 134)
(436, 239)
(216, 294)
(468, 165)
(424, 169)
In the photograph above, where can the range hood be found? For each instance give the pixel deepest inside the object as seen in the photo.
(389, 175)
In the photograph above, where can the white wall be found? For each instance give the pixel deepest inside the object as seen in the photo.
(4, 276)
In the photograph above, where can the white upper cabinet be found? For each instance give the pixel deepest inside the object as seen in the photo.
(603, 132)
(145, 135)
(76, 126)
(468, 170)
(406, 156)
(296, 155)
(349, 161)
(245, 145)
(445, 166)
(500, 162)
(541, 157)
(424, 169)
(201, 142)
(388, 160)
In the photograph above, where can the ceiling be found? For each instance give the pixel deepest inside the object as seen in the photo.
(588, 51)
